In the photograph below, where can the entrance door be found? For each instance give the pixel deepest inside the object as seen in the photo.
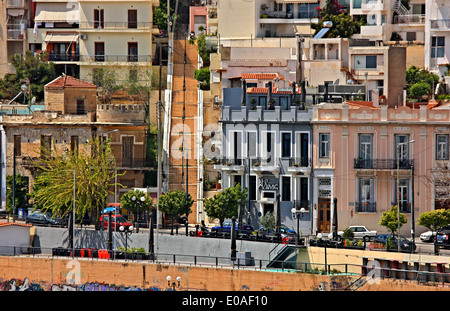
(324, 215)
(127, 151)
(267, 208)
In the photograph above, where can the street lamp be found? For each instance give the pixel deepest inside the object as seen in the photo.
(137, 203)
(298, 214)
(173, 284)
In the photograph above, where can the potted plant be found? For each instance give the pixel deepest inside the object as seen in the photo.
(264, 7)
(253, 103)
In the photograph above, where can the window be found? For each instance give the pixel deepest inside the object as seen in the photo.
(74, 143)
(357, 4)
(132, 18)
(365, 61)
(402, 147)
(437, 47)
(366, 200)
(80, 106)
(285, 144)
(236, 151)
(308, 10)
(132, 51)
(286, 187)
(99, 17)
(442, 147)
(17, 145)
(324, 145)
(251, 144)
(365, 146)
(262, 100)
(252, 188)
(99, 50)
(410, 36)
(401, 195)
(46, 145)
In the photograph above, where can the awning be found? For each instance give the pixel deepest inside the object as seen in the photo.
(56, 12)
(16, 12)
(56, 37)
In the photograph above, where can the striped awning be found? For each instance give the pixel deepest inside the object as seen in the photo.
(61, 37)
(56, 12)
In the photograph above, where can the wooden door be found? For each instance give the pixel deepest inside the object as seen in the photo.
(324, 211)
(127, 151)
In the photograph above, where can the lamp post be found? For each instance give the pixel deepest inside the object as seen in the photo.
(137, 203)
(173, 285)
(298, 214)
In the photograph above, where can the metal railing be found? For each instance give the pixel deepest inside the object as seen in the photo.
(410, 19)
(366, 207)
(115, 58)
(380, 164)
(299, 162)
(116, 25)
(135, 162)
(440, 24)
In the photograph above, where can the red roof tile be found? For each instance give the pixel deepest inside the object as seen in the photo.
(4, 224)
(68, 81)
(275, 90)
(259, 76)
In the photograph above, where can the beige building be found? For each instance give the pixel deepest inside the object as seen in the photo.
(72, 116)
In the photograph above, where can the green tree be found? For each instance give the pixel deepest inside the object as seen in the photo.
(160, 14)
(225, 204)
(344, 25)
(268, 221)
(30, 67)
(391, 220)
(434, 220)
(94, 169)
(127, 202)
(20, 193)
(174, 204)
(420, 82)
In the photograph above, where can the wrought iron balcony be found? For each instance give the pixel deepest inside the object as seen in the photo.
(298, 204)
(135, 162)
(299, 162)
(405, 207)
(382, 164)
(115, 58)
(366, 207)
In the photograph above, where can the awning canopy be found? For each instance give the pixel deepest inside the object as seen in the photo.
(16, 12)
(56, 12)
(56, 37)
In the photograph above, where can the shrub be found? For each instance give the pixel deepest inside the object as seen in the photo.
(348, 233)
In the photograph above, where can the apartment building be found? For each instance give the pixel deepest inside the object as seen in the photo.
(13, 34)
(347, 62)
(266, 147)
(372, 157)
(70, 118)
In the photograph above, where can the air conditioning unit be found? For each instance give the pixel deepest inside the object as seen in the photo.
(83, 36)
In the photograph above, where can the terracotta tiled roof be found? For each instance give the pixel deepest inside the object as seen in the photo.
(68, 81)
(259, 76)
(360, 103)
(5, 224)
(275, 90)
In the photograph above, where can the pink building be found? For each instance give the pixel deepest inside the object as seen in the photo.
(356, 150)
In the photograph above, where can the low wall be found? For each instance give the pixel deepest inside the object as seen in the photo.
(55, 274)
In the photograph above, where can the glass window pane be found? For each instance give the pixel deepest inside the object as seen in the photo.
(371, 61)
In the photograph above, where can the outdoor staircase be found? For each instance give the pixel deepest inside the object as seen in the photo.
(402, 11)
(358, 283)
(281, 253)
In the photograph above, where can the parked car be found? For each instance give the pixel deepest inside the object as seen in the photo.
(226, 227)
(429, 236)
(117, 221)
(285, 231)
(443, 238)
(360, 232)
(405, 244)
(45, 218)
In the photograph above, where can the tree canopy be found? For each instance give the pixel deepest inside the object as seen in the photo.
(30, 67)
(145, 204)
(434, 220)
(94, 169)
(344, 25)
(175, 203)
(391, 220)
(225, 204)
(420, 82)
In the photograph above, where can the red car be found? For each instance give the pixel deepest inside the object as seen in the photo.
(121, 224)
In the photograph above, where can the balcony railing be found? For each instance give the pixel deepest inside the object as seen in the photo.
(440, 24)
(405, 207)
(410, 19)
(116, 25)
(231, 161)
(382, 164)
(299, 162)
(63, 57)
(116, 58)
(366, 207)
(298, 204)
(259, 161)
(16, 31)
(135, 162)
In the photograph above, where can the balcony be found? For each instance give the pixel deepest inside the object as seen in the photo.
(135, 163)
(382, 164)
(366, 207)
(64, 57)
(15, 3)
(101, 26)
(405, 207)
(259, 165)
(298, 204)
(299, 165)
(229, 164)
(16, 31)
(416, 19)
(440, 24)
(115, 58)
